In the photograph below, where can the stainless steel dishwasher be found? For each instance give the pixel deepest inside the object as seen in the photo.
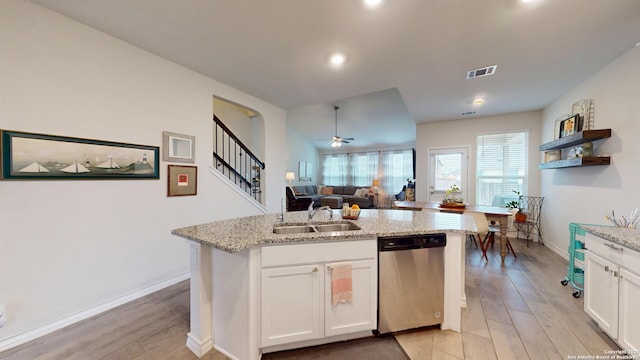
(410, 281)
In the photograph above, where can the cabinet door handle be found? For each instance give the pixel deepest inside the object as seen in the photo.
(314, 269)
(606, 268)
(613, 247)
(329, 268)
(615, 274)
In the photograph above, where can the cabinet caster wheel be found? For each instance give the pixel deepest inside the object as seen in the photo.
(576, 294)
(564, 282)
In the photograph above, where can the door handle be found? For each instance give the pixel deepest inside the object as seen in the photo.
(613, 247)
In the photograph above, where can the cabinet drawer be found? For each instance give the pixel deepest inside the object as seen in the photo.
(613, 252)
(308, 253)
(604, 248)
(631, 260)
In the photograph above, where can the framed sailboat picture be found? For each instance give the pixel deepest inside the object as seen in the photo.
(29, 156)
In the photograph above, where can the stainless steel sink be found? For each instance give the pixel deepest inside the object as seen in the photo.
(293, 229)
(312, 228)
(347, 226)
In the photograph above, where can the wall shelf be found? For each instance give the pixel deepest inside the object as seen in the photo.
(574, 140)
(577, 161)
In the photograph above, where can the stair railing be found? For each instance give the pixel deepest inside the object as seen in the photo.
(234, 159)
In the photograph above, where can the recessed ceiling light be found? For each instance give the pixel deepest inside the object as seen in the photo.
(337, 59)
(372, 4)
(478, 101)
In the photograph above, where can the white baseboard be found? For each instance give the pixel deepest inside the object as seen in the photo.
(198, 347)
(22, 338)
(225, 353)
(564, 253)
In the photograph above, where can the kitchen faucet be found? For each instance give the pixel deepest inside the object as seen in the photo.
(313, 212)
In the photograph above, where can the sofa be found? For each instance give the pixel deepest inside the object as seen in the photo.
(295, 203)
(334, 196)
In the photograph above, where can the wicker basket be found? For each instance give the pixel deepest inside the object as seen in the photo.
(352, 214)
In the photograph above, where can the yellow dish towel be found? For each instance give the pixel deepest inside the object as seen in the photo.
(341, 284)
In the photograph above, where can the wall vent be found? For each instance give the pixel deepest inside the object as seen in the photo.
(467, 113)
(485, 71)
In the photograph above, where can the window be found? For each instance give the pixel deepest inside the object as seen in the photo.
(392, 168)
(363, 168)
(334, 169)
(397, 168)
(501, 167)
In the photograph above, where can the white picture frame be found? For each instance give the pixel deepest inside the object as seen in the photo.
(304, 170)
(178, 147)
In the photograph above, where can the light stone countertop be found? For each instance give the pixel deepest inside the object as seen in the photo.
(239, 234)
(629, 238)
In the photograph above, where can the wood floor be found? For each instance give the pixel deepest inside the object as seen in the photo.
(517, 312)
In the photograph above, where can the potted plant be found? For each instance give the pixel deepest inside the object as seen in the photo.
(520, 216)
(451, 199)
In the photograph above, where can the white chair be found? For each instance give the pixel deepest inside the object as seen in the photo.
(487, 233)
(484, 232)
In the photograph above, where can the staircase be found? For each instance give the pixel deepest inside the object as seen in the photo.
(236, 162)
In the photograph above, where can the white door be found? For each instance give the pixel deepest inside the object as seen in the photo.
(629, 314)
(601, 292)
(291, 304)
(447, 167)
(360, 313)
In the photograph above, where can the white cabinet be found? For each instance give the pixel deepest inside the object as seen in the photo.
(296, 291)
(612, 290)
(601, 293)
(629, 326)
(360, 313)
(291, 304)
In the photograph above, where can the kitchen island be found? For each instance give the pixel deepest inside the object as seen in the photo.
(612, 283)
(237, 267)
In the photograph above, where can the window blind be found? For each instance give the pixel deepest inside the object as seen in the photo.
(501, 167)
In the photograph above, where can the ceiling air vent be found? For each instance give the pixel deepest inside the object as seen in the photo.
(467, 113)
(486, 71)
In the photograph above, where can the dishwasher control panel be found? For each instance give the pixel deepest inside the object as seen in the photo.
(407, 242)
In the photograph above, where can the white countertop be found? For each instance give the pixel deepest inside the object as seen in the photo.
(235, 235)
(629, 238)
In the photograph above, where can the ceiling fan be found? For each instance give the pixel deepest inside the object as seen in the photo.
(337, 141)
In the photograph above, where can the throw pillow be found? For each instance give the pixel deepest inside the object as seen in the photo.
(359, 193)
(326, 190)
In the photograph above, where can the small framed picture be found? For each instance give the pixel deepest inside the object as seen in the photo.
(178, 147)
(569, 126)
(182, 180)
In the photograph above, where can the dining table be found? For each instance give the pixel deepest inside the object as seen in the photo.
(494, 214)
